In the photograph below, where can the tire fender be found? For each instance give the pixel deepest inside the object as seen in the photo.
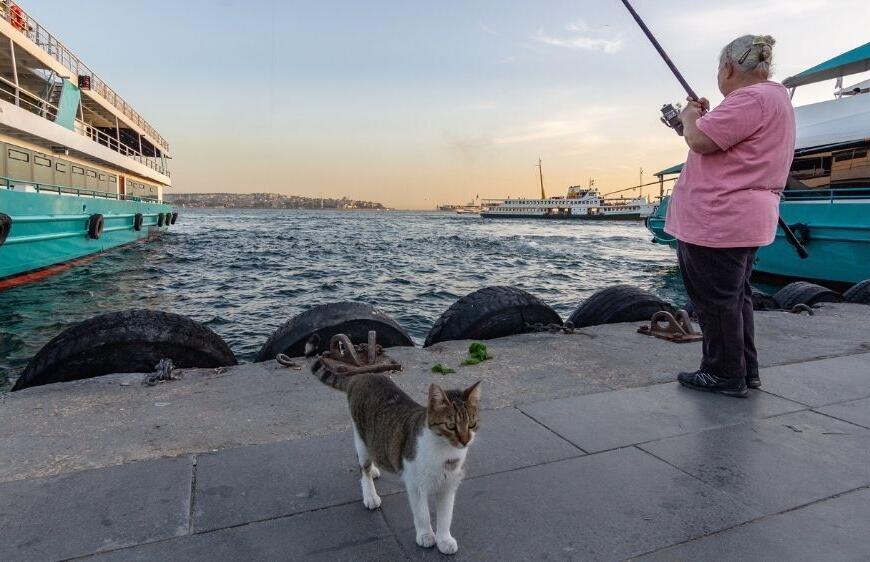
(5, 227)
(132, 341)
(95, 226)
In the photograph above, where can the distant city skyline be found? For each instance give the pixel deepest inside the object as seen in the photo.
(424, 103)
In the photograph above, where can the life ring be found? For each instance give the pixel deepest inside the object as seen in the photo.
(801, 232)
(95, 226)
(174, 218)
(17, 18)
(5, 227)
(137, 222)
(159, 220)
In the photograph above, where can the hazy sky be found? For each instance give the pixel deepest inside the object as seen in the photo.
(414, 103)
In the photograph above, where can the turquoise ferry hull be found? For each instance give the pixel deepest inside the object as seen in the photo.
(839, 241)
(50, 229)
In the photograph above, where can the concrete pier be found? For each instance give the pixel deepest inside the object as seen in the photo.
(587, 450)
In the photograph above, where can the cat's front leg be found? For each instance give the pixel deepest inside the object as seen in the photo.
(444, 512)
(420, 509)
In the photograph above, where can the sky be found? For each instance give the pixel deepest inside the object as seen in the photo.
(420, 103)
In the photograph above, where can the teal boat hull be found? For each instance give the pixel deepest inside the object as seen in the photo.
(50, 229)
(839, 241)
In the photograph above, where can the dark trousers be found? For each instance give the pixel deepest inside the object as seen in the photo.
(717, 281)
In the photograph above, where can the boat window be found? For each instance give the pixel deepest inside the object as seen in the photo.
(92, 174)
(102, 177)
(18, 155)
(112, 179)
(77, 170)
(60, 167)
(40, 161)
(849, 155)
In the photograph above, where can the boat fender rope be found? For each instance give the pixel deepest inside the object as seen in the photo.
(801, 308)
(285, 361)
(163, 372)
(538, 327)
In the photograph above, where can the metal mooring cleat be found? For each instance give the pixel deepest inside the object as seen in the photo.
(665, 326)
(345, 358)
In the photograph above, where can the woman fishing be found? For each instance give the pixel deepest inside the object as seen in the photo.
(726, 205)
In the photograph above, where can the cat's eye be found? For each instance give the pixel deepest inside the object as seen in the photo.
(451, 426)
(472, 425)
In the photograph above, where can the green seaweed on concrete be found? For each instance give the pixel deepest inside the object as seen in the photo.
(477, 353)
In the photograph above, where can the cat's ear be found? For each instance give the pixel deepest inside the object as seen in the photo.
(472, 393)
(437, 397)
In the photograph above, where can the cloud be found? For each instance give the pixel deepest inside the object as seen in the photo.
(581, 37)
(573, 125)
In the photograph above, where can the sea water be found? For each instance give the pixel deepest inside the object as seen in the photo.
(243, 273)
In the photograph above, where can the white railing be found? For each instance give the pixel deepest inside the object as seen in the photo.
(23, 22)
(38, 106)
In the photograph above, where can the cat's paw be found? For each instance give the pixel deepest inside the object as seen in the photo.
(447, 545)
(426, 540)
(372, 502)
(375, 472)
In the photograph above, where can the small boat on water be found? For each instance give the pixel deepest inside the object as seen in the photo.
(81, 171)
(827, 200)
(580, 203)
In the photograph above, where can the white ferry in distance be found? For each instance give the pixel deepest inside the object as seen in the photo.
(580, 203)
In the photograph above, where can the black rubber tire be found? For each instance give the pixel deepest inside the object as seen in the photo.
(858, 294)
(801, 232)
(763, 301)
(132, 341)
(801, 292)
(492, 312)
(620, 303)
(95, 226)
(352, 319)
(174, 218)
(159, 220)
(5, 227)
(167, 219)
(137, 222)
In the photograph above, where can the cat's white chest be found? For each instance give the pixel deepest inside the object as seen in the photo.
(435, 464)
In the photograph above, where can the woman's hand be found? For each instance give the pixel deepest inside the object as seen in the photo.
(695, 138)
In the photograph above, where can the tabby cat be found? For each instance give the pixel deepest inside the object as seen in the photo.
(426, 445)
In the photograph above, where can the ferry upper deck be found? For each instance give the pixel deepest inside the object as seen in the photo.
(50, 98)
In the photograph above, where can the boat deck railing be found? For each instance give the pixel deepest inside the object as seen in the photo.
(11, 184)
(829, 194)
(33, 30)
(38, 106)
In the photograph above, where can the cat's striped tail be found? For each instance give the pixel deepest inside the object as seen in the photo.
(319, 370)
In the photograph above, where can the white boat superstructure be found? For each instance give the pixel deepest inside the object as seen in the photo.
(580, 203)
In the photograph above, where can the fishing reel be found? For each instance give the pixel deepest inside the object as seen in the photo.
(671, 117)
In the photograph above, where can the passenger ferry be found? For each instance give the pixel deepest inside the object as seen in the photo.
(827, 200)
(580, 203)
(80, 170)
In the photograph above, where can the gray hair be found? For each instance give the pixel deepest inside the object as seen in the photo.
(750, 53)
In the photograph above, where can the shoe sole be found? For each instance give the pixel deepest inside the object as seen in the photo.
(755, 384)
(744, 393)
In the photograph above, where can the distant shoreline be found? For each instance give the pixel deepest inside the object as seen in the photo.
(268, 201)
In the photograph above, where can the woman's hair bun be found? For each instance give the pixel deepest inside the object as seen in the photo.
(766, 42)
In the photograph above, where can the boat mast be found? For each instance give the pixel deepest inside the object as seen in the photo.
(541, 176)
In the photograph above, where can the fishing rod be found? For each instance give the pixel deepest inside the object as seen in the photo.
(671, 117)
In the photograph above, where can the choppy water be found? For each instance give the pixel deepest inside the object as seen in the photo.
(245, 272)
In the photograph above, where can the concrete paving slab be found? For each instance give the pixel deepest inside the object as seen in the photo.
(819, 383)
(597, 422)
(260, 482)
(342, 533)
(85, 512)
(857, 412)
(775, 464)
(607, 506)
(833, 530)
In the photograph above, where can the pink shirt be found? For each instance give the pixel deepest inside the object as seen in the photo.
(730, 198)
